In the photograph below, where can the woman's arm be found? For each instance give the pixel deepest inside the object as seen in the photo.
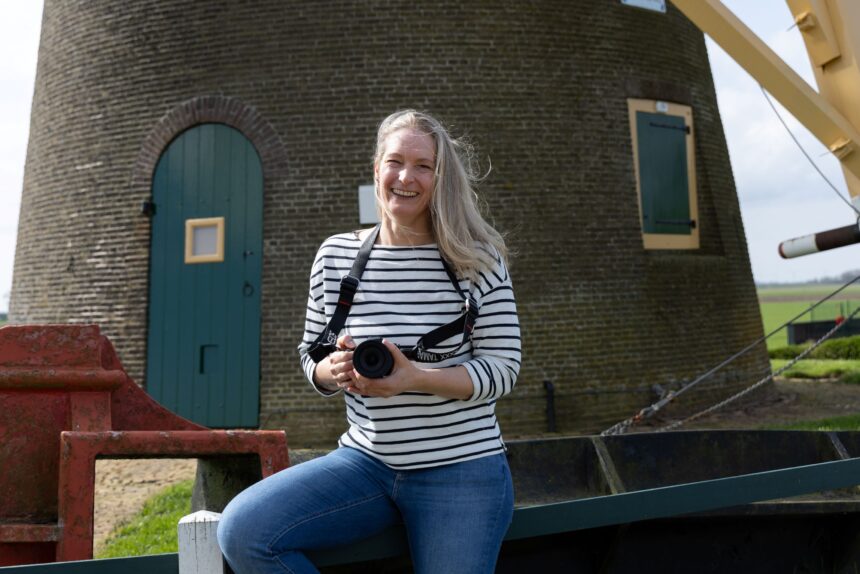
(496, 344)
(449, 382)
(318, 374)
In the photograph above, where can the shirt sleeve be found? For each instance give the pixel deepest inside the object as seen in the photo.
(496, 342)
(315, 321)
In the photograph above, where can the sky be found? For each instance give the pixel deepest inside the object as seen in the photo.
(781, 196)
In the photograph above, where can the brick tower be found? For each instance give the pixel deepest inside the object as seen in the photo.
(610, 177)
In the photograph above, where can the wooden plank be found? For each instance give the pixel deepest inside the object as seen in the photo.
(206, 274)
(198, 544)
(250, 403)
(663, 173)
(188, 280)
(221, 303)
(173, 257)
(234, 180)
(157, 292)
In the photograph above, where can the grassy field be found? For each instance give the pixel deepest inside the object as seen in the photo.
(846, 423)
(779, 304)
(847, 371)
(153, 529)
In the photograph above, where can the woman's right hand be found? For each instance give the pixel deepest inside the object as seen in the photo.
(340, 363)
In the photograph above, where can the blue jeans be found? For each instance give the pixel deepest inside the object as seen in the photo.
(455, 515)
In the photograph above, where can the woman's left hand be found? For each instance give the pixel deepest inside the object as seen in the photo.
(401, 379)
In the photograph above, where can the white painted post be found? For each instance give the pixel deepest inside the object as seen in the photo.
(199, 552)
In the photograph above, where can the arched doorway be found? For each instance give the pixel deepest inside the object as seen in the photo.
(203, 343)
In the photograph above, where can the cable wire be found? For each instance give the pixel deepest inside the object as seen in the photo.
(650, 411)
(756, 385)
(803, 151)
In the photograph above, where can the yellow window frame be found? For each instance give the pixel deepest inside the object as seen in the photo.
(665, 240)
(190, 226)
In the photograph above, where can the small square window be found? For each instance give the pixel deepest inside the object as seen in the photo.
(204, 240)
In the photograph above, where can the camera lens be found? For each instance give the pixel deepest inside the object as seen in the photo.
(372, 359)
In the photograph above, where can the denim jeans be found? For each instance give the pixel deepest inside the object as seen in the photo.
(455, 515)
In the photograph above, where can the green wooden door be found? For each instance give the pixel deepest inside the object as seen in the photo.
(663, 176)
(203, 345)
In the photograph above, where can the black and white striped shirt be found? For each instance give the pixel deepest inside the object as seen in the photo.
(405, 293)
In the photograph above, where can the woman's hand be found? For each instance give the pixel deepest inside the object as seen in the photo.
(335, 371)
(402, 378)
(340, 363)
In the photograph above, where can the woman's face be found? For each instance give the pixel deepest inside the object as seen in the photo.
(405, 174)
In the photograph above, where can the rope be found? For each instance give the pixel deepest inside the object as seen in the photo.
(650, 411)
(753, 387)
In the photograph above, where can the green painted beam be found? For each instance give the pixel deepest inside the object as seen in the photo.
(542, 520)
(681, 499)
(160, 563)
(663, 502)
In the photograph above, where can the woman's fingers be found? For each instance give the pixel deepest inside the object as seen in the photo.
(341, 362)
(341, 368)
(345, 342)
(400, 359)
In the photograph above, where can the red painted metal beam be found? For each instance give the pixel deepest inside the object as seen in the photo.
(79, 450)
(29, 379)
(29, 532)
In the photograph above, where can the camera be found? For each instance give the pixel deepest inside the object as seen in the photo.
(372, 359)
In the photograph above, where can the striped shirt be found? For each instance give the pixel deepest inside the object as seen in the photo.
(405, 293)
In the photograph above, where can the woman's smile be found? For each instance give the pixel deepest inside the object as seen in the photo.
(403, 192)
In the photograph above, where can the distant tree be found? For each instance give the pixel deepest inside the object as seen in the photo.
(827, 280)
(849, 275)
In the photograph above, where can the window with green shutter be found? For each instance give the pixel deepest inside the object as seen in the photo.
(664, 162)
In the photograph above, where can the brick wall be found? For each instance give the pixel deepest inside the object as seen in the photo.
(540, 87)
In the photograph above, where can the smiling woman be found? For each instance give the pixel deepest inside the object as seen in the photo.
(423, 445)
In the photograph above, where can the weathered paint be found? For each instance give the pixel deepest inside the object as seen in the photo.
(63, 390)
(199, 552)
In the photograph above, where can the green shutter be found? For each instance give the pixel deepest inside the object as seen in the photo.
(663, 177)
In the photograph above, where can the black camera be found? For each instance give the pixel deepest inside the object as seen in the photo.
(372, 359)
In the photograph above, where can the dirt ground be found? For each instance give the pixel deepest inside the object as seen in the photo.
(123, 485)
(787, 401)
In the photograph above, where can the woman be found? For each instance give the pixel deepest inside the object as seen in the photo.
(423, 445)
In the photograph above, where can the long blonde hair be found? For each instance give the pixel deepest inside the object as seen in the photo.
(464, 237)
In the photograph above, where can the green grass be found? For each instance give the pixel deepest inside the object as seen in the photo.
(776, 313)
(845, 423)
(848, 371)
(153, 529)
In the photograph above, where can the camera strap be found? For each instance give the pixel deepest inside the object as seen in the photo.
(326, 342)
